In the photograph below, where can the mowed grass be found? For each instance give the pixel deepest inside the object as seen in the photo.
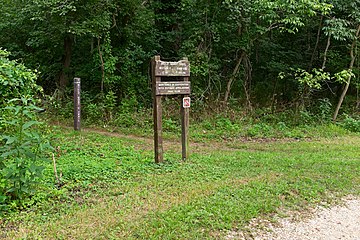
(111, 189)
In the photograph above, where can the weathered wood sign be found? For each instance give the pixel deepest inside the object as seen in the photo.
(171, 88)
(173, 71)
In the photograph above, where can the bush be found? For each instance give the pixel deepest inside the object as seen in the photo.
(21, 144)
(16, 80)
(351, 124)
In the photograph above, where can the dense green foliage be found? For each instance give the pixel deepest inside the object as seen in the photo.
(16, 80)
(242, 53)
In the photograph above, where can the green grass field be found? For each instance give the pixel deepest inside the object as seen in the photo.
(111, 189)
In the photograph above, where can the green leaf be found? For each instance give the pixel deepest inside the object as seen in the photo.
(33, 107)
(30, 154)
(2, 199)
(9, 139)
(9, 153)
(29, 124)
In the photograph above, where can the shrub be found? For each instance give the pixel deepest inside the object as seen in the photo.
(21, 144)
(16, 80)
(351, 124)
(20, 150)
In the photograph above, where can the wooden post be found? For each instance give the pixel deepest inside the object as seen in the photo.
(158, 140)
(185, 124)
(77, 105)
(185, 132)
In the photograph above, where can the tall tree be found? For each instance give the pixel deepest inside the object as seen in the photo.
(345, 26)
(224, 36)
(167, 26)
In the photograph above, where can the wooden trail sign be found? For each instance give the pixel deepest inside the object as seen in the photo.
(173, 71)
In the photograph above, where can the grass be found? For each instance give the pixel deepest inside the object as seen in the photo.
(111, 189)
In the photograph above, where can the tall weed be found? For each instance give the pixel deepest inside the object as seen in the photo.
(21, 150)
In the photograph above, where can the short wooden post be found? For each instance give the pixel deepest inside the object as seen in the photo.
(158, 140)
(77, 105)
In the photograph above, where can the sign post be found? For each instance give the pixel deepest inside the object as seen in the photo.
(173, 71)
(77, 105)
(185, 107)
(158, 141)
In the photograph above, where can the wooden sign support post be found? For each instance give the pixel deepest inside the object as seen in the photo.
(185, 107)
(158, 141)
(77, 104)
(173, 71)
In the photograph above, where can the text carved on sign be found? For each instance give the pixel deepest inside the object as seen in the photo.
(174, 69)
(170, 88)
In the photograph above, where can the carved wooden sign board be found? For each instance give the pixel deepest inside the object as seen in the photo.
(170, 88)
(172, 69)
(170, 78)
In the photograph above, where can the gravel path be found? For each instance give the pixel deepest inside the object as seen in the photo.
(338, 222)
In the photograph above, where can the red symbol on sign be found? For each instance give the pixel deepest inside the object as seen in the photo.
(186, 102)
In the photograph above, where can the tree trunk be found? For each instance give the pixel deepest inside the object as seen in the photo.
(64, 78)
(102, 68)
(325, 52)
(316, 44)
(232, 78)
(247, 82)
(352, 55)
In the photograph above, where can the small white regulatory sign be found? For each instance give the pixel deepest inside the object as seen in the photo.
(186, 102)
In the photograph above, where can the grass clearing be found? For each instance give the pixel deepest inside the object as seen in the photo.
(111, 189)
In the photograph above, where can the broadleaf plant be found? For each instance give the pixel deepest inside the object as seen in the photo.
(21, 144)
(20, 151)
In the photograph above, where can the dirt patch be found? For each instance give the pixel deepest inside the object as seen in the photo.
(338, 222)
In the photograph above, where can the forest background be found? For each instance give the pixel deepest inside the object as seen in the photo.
(259, 57)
